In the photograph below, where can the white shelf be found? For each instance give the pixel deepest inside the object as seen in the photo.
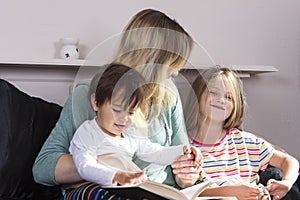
(43, 62)
(242, 70)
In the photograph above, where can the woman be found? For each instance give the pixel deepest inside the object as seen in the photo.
(157, 47)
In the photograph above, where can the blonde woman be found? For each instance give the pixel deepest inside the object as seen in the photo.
(156, 46)
(230, 154)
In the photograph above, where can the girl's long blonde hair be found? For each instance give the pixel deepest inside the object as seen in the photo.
(192, 110)
(153, 44)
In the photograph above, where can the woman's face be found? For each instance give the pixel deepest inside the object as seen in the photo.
(216, 102)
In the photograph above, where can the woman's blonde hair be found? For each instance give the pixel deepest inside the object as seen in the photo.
(200, 87)
(153, 43)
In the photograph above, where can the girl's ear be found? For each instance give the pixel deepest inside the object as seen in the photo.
(94, 102)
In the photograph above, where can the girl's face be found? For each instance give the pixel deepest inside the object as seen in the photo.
(216, 102)
(113, 117)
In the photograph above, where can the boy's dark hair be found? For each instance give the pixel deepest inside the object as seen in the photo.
(115, 78)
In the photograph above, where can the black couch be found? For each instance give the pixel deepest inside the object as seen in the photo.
(275, 173)
(25, 123)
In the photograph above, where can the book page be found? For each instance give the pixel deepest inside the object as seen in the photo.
(118, 162)
(163, 190)
(193, 191)
(166, 191)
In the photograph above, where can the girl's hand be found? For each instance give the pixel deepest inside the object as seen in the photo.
(245, 192)
(129, 178)
(187, 167)
(278, 189)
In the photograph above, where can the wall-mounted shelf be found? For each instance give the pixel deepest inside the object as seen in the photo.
(244, 71)
(42, 62)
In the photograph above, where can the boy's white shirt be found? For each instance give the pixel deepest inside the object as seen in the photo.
(90, 141)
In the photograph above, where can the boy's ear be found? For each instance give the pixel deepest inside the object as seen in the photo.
(94, 102)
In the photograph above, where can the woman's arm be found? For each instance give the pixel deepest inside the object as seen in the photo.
(54, 165)
(65, 171)
(241, 192)
(186, 174)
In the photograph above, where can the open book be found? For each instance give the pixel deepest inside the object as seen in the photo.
(158, 191)
(148, 189)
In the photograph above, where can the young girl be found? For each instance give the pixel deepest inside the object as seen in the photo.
(229, 153)
(119, 94)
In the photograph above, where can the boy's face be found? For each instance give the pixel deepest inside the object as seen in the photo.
(113, 117)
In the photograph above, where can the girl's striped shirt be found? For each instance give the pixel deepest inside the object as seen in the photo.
(237, 157)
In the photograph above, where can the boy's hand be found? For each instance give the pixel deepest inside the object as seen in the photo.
(129, 178)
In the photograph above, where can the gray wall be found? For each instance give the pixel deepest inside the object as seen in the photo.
(234, 32)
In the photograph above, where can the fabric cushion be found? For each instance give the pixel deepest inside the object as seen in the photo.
(25, 123)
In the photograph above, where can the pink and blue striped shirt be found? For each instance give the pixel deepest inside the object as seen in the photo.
(236, 158)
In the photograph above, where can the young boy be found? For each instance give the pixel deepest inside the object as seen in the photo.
(119, 94)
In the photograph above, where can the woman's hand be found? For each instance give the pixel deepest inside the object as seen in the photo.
(278, 189)
(187, 167)
(129, 178)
